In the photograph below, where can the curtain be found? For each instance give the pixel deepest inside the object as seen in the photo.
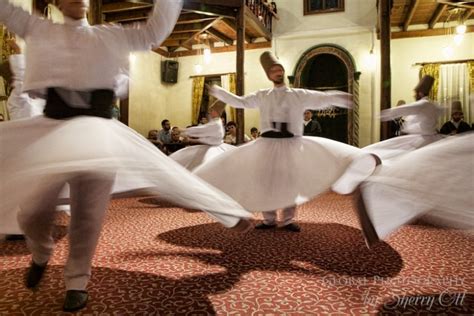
(454, 84)
(228, 83)
(433, 71)
(198, 90)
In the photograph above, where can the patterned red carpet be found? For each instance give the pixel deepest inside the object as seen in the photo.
(162, 260)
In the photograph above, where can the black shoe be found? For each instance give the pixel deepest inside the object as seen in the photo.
(292, 227)
(264, 226)
(75, 300)
(14, 237)
(368, 230)
(34, 274)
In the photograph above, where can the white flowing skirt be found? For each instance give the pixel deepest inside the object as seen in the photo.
(193, 156)
(269, 173)
(400, 145)
(40, 149)
(437, 179)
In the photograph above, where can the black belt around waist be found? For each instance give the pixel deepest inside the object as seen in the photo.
(100, 105)
(282, 133)
(277, 134)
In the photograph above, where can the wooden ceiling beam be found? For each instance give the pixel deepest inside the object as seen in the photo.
(131, 15)
(161, 51)
(436, 15)
(124, 6)
(186, 28)
(193, 18)
(187, 44)
(209, 10)
(422, 33)
(232, 24)
(221, 37)
(224, 49)
(411, 12)
(467, 14)
(224, 3)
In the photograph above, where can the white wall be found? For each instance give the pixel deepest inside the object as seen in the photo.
(357, 14)
(409, 51)
(152, 101)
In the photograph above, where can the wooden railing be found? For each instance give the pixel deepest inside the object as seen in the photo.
(264, 10)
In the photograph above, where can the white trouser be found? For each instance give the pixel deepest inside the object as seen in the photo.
(90, 194)
(288, 215)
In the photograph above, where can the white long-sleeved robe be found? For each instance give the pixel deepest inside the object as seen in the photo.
(19, 104)
(210, 136)
(420, 125)
(81, 57)
(272, 173)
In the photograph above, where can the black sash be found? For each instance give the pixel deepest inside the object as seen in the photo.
(101, 102)
(282, 133)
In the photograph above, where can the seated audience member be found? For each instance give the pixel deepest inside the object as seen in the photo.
(311, 126)
(231, 134)
(164, 135)
(254, 133)
(153, 137)
(456, 125)
(176, 143)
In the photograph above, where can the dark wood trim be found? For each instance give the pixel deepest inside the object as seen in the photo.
(385, 76)
(240, 90)
(188, 43)
(459, 61)
(224, 49)
(220, 36)
(410, 13)
(307, 11)
(227, 3)
(212, 75)
(467, 15)
(428, 32)
(124, 111)
(436, 15)
(209, 10)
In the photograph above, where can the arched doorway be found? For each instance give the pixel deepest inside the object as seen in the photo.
(330, 67)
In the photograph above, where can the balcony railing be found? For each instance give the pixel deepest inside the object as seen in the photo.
(264, 10)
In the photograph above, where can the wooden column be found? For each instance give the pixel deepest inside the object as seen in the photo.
(240, 70)
(95, 12)
(386, 84)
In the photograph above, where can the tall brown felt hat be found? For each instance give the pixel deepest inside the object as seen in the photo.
(268, 60)
(456, 107)
(217, 106)
(425, 84)
(5, 71)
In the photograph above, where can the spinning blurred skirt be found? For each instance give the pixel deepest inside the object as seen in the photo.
(40, 149)
(437, 179)
(271, 173)
(397, 146)
(193, 156)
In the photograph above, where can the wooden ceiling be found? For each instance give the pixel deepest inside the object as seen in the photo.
(213, 22)
(202, 23)
(428, 17)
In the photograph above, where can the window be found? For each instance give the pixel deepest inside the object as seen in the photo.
(322, 6)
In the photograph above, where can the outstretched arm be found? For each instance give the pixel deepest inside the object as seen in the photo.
(402, 110)
(158, 27)
(317, 100)
(16, 19)
(248, 101)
